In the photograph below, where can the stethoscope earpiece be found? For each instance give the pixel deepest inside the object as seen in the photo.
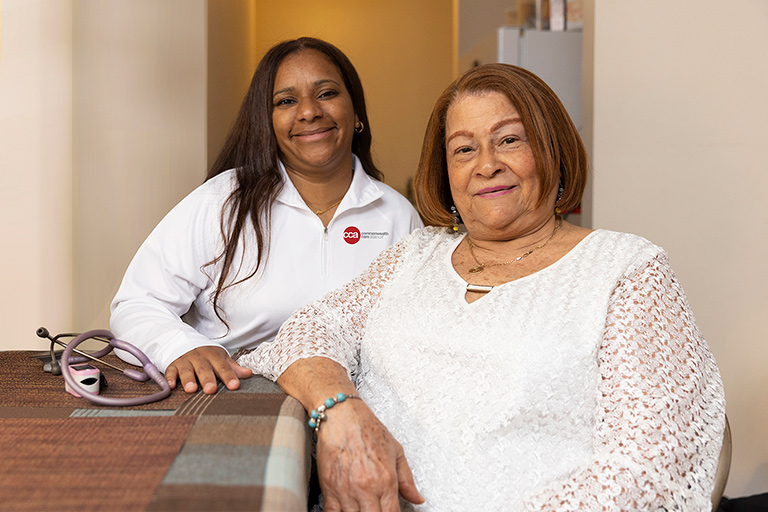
(55, 366)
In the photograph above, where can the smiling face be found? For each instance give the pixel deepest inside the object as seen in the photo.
(491, 168)
(312, 115)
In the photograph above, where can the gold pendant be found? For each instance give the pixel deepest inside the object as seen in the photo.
(476, 270)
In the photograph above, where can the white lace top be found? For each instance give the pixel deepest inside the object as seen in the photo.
(585, 386)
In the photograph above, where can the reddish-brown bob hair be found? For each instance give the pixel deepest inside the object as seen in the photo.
(557, 147)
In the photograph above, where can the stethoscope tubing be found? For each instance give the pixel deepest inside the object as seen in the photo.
(150, 370)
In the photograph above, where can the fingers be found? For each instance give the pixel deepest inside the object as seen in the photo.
(204, 369)
(205, 365)
(367, 491)
(330, 503)
(356, 495)
(186, 373)
(240, 371)
(405, 483)
(346, 503)
(172, 375)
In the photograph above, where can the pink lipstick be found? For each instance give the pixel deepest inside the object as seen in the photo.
(495, 191)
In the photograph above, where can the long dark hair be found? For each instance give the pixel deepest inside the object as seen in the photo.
(251, 149)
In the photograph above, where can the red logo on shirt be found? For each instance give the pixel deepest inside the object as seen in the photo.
(351, 235)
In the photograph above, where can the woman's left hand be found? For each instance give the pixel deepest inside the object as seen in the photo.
(361, 467)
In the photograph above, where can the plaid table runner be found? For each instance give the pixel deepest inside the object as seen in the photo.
(235, 450)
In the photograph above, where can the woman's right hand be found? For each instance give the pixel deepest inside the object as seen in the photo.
(361, 467)
(205, 364)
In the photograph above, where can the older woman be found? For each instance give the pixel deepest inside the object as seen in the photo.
(527, 364)
(291, 209)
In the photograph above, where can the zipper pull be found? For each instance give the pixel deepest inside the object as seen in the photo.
(324, 254)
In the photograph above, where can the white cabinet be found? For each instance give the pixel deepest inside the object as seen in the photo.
(554, 56)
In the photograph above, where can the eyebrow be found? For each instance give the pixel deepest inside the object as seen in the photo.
(500, 124)
(315, 84)
(458, 134)
(504, 122)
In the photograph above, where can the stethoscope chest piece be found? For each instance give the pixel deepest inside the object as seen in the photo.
(88, 376)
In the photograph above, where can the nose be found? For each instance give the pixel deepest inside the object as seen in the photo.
(309, 109)
(488, 163)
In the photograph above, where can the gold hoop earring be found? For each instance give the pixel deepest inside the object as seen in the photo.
(359, 126)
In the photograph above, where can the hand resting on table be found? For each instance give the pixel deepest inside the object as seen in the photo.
(205, 364)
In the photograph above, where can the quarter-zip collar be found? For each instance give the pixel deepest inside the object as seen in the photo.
(361, 192)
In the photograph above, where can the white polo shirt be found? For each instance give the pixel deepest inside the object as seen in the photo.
(168, 278)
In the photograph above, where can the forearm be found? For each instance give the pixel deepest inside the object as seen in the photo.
(156, 330)
(659, 430)
(314, 379)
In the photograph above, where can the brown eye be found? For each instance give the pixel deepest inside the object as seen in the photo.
(284, 102)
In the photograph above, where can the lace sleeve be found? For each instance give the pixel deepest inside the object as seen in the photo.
(661, 410)
(331, 327)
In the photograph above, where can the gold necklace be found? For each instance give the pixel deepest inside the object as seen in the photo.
(320, 212)
(481, 266)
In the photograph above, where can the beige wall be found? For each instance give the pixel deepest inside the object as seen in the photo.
(35, 168)
(678, 143)
(103, 129)
(479, 19)
(402, 50)
(139, 132)
(232, 60)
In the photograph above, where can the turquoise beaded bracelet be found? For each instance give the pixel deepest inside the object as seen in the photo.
(318, 415)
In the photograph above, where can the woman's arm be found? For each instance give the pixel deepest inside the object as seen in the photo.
(661, 410)
(330, 328)
(360, 465)
(161, 283)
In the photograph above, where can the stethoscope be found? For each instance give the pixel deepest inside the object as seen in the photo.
(150, 371)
